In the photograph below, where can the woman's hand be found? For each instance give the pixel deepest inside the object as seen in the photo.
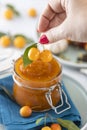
(64, 19)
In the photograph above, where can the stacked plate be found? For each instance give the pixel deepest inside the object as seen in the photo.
(6, 59)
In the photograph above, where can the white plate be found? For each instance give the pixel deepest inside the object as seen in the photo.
(5, 53)
(78, 95)
(72, 53)
(6, 57)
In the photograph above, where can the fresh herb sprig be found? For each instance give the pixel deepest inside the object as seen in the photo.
(12, 37)
(2, 34)
(69, 125)
(13, 9)
(26, 60)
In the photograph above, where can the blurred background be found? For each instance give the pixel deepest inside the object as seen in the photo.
(17, 18)
(24, 23)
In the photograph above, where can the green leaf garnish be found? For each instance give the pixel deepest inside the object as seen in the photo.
(13, 9)
(16, 12)
(39, 120)
(67, 124)
(2, 34)
(10, 6)
(26, 60)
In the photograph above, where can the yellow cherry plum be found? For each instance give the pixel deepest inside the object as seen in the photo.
(33, 54)
(46, 56)
(32, 12)
(19, 42)
(46, 128)
(5, 41)
(25, 111)
(8, 14)
(56, 127)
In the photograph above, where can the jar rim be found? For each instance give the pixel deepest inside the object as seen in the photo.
(43, 82)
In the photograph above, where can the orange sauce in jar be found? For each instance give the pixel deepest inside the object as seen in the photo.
(31, 83)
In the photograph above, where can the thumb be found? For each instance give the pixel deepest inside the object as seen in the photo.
(54, 34)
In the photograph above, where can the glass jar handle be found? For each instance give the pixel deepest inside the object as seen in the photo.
(49, 99)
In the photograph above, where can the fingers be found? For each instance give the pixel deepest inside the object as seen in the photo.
(55, 34)
(57, 20)
(53, 7)
(56, 5)
(45, 18)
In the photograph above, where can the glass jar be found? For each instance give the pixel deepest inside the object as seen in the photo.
(39, 95)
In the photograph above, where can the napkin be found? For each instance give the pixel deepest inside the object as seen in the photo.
(10, 117)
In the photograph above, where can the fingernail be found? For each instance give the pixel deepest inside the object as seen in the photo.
(43, 39)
